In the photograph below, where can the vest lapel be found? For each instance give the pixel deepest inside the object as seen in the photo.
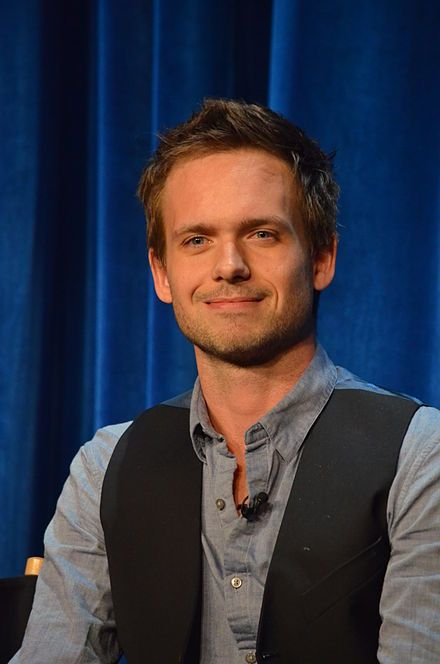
(150, 510)
(321, 598)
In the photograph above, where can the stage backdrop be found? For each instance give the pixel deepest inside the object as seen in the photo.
(85, 87)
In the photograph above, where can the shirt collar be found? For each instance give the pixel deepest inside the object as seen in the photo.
(289, 421)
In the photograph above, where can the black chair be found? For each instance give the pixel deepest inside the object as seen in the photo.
(16, 597)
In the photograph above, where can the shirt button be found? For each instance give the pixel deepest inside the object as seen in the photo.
(236, 582)
(220, 504)
(251, 658)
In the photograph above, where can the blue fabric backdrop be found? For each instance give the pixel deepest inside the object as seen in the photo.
(85, 86)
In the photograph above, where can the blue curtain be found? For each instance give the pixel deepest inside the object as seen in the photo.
(85, 87)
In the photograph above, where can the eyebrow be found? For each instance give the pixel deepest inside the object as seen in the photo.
(243, 225)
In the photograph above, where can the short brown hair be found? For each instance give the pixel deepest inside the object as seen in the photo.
(222, 125)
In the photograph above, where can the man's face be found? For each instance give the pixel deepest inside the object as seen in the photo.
(238, 269)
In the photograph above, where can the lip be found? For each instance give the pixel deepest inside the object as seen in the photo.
(233, 303)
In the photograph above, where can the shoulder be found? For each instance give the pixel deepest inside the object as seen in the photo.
(419, 462)
(94, 457)
(424, 428)
(346, 380)
(385, 414)
(422, 437)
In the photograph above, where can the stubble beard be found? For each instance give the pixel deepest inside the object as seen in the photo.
(235, 342)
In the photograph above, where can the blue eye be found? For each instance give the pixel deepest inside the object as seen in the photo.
(263, 235)
(196, 241)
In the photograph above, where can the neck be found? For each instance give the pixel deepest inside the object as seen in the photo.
(236, 397)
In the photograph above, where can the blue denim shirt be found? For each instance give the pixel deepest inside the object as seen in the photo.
(72, 620)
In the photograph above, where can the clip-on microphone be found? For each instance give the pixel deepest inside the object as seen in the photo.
(251, 510)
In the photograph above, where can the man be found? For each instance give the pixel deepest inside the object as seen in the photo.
(284, 511)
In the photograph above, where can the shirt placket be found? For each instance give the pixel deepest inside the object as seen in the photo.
(243, 591)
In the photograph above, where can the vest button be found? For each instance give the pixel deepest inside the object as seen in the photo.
(220, 504)
(251, 658)
(236, 582)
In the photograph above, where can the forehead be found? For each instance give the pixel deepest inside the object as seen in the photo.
(233, 183)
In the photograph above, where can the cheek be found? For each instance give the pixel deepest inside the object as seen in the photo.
(182, 286)
(292, 282)
(186, 276)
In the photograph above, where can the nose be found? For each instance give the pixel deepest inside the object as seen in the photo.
(230, 264)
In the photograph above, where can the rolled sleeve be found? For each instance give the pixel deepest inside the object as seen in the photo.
(410, 603)
(72, 617)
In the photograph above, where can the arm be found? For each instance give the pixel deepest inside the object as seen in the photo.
(72, 616)
(410, 603)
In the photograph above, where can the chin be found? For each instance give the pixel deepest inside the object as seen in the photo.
(255, 352)
(252, 344)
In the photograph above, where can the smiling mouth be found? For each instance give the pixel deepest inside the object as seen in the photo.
(232, 295)
(233, 304)
(233, 300)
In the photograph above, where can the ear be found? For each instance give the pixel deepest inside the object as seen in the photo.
(324, 264)
(160, 278)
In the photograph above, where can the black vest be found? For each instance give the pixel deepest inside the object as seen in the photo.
(321, 598)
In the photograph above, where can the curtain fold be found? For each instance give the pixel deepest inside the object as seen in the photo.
(85, 88)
